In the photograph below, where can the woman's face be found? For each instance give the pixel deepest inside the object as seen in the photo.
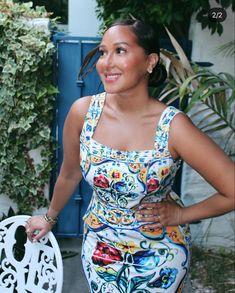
(122, 64)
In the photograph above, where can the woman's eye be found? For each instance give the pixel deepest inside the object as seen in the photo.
(101, 53)
(120, 50)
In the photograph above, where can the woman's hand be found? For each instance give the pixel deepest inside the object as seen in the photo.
(165, 213)
(37, 227)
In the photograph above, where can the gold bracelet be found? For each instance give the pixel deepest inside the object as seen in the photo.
(50, 220)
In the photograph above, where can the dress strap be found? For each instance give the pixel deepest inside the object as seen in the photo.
(162, 132)
(93, 115)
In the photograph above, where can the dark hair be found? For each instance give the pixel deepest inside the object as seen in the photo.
(147, 39)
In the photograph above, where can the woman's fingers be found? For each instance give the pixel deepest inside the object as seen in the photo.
(35, 235)
(165, 213)
(28, 230)
(36, 227)
(148, 218)
(149, 211)
(40, 233)
(151, 227)
(152, 205)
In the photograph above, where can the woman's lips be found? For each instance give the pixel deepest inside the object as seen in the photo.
(111, 77)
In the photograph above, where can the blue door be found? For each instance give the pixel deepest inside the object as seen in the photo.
(70, 52)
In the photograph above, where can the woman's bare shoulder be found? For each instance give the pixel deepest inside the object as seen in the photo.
(81, 105)
(78, 111)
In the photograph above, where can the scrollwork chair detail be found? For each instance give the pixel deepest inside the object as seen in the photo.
(28, 267)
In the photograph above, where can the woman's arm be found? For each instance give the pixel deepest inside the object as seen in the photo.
(70, 172)
(202, 154)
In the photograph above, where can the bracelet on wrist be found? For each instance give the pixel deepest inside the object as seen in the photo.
(50, 220)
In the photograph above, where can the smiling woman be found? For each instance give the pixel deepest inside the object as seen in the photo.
(123, 64)
(128, 146)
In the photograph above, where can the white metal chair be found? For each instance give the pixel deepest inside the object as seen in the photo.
(27, 267)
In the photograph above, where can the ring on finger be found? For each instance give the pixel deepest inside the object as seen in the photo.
(28, 221)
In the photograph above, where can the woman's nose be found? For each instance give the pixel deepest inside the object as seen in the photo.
(109, 60)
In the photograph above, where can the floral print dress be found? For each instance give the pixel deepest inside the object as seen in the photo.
(118, 254)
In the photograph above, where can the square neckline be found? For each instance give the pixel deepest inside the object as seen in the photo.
(118, 151)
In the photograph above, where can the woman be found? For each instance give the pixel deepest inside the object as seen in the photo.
(136, 237)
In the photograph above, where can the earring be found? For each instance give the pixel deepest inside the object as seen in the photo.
(150, 71)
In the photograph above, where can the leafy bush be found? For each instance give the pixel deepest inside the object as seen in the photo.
(211, 95)
(58, 7)
(175, 15)
(26, 105)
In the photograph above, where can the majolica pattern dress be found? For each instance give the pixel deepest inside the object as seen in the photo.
(118, 254)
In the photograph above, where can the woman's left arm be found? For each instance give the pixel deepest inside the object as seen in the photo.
(203, 155)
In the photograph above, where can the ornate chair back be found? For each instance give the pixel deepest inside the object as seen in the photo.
(25, 266)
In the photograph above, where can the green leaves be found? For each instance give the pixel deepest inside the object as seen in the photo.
(26, 106)
(211, 96)
(174, 14)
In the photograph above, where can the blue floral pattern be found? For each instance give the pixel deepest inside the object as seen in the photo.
(119, 255)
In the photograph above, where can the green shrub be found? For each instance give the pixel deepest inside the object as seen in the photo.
(176, 15)
(26, 105)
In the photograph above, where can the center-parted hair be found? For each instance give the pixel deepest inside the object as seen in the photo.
(145, 38)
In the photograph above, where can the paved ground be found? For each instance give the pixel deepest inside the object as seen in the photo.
(74, 279)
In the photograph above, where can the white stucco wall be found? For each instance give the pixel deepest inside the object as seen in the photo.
(82, 18)
(205, 44)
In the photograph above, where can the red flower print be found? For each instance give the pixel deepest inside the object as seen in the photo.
(152, 184)
(165, 171)
(105, 254)
(101, 181)
(116, 174)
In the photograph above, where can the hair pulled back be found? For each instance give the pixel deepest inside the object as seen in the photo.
(147, 39)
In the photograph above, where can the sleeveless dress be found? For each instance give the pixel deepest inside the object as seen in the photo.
(118, 254)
